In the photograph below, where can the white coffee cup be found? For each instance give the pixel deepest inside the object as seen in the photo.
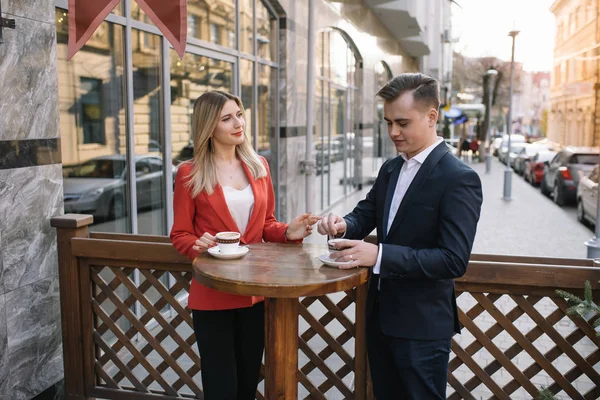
(228, 242)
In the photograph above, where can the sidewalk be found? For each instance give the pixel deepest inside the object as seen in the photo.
(530, 224)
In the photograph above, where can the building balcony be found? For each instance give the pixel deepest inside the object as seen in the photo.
(405, 21)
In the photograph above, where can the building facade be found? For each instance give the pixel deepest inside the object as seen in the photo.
(103, 132)
(573, 118)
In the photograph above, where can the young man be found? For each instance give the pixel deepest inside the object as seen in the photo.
(425, 205)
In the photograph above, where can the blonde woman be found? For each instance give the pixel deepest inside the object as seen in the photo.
(227, 187)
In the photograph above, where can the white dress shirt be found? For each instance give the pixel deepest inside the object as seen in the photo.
(407, 174)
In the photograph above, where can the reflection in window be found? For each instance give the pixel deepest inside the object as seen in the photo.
(91, 110)
(92, 118)
(191, 77)
(246, 27)
(215, 33)
(266, 32)
(247, 80)
(335, 141)
(267, 84)
(148, 139)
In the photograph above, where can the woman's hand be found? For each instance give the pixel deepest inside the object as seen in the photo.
(204, 243)
(301, 226)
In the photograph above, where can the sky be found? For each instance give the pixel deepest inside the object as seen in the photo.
(482, 26)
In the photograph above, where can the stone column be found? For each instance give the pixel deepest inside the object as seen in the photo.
(30, 194)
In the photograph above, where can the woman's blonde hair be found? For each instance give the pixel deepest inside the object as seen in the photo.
(206, 116)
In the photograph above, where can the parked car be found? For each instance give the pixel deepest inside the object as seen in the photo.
(503, 146)
(515, 148)
(496, 143)
(534, 170)
(587, 197)
(525, 156)
(562, 175)
(98, 186)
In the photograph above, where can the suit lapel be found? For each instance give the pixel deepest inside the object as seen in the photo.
(415, 186)
(389, 194)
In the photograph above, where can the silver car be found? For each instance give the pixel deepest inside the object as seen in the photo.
(98, 186)
(587, 197)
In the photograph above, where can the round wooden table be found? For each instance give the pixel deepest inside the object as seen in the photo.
(282, 273)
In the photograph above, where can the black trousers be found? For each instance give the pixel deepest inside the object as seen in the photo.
(231, 344)
(404, 369)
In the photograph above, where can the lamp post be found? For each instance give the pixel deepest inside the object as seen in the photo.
(491, 73)
(508, 170)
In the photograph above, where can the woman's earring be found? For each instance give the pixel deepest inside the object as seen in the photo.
(212, 145)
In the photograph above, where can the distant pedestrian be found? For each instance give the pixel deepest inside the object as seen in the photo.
(474, 147)
(464, 150)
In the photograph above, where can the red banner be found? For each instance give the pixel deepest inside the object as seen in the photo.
(170, 17)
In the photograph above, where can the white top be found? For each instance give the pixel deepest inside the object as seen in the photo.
(240, 204)
(407, 175)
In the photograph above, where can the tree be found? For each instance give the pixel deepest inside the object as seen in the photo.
(469, 75)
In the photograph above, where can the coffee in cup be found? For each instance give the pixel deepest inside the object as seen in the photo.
(228, 242)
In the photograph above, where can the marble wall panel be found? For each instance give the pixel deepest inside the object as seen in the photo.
(38, 10)
(29, 197)
(34, 338)
(4, 366)
(1, 268)
(28, 81)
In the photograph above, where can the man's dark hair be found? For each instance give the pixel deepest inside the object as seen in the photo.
(425, 89)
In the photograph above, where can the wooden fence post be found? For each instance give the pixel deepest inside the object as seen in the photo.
(69, 226)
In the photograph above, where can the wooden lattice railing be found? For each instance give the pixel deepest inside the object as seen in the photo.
(128, 335)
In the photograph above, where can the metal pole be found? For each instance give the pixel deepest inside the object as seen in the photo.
(310, 163)
(488, 156)
(508, 170)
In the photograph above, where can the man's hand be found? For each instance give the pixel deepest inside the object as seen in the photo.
(332, 225)
(359, 252)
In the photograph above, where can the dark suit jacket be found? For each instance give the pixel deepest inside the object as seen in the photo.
(427, 246)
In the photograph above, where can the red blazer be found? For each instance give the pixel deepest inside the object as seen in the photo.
(194, 216)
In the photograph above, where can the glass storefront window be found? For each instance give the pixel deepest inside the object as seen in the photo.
(212, 20)
(246, 27)
(266, 33)
(92, 125)
(247, 95)
(148, 140)
(191, 77)
(267, 85)
(336, 118)
(198, 12)
(338, 54)
(94, 98)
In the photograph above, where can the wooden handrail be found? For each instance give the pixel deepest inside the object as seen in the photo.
(127, 250)
(488, 277)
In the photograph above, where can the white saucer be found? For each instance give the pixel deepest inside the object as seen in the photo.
(241, 252)
(325, 259)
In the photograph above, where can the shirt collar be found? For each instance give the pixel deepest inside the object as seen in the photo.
(422, 156)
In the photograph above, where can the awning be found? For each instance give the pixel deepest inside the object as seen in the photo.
(453, 113)
(169, 16)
